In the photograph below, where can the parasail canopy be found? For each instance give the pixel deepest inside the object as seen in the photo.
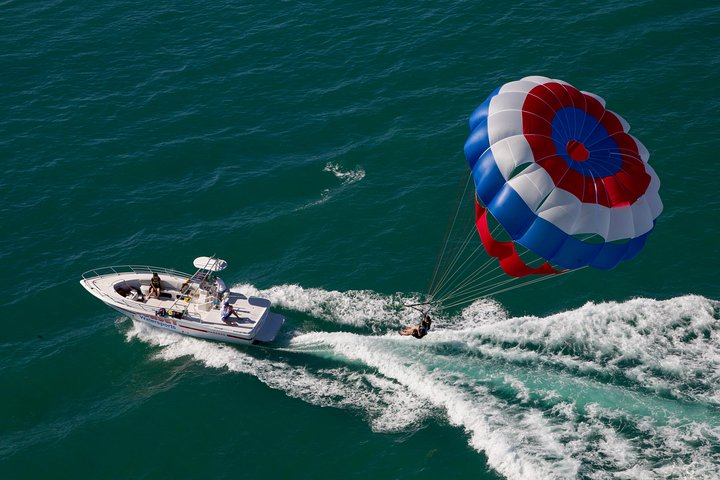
(562, 177)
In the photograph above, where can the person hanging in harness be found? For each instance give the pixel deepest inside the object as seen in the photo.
(421, 329)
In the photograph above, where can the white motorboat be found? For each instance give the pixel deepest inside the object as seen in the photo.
(187, 304)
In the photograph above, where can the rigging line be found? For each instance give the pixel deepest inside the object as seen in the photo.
(530, 282)
(456, 255)
(454, 272)
(472, 284)
(451, 272)
(483, 290)
(476, 275)
(454, 291)
(485, 286)
(460, 251)
(474, 280)
(449, 251)
(448, 267)
(449, 286)
(536, 280)
(451, 226)
(513, 287)
(476, 288)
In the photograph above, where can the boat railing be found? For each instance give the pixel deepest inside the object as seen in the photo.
(131, 303)
(97, 273)
(138, 269)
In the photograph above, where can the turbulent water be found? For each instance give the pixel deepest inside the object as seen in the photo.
(630, 389)
(317, 147)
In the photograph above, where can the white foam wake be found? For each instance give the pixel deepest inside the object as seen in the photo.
(347, 177)
(493, 430)
(388, 405)
(628, 390)
(670, 347)
(360, 308)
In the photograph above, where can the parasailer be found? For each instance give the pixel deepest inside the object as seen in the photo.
(421, 329)
(559, 184)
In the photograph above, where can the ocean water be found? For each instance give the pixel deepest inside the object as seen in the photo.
(317, 147)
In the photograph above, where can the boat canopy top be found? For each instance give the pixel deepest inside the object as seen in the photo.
(210, 264)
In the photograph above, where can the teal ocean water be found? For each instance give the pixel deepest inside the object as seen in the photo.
(317, 147)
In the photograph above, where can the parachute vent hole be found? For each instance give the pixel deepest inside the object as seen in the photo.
(577, 151)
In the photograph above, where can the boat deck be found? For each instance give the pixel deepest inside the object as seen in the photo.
(195, 305)
(189, 304)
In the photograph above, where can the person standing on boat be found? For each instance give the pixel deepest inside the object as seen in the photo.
(154, 286)
(228, 310)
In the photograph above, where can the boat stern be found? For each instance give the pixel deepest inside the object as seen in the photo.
(270, 327)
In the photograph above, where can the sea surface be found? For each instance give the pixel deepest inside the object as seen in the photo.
(317, 147)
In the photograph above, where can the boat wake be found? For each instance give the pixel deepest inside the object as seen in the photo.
(346, 178)
(628, 390)
(351, 176)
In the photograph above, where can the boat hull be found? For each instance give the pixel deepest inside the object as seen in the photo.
(188, 304)
(195, 329)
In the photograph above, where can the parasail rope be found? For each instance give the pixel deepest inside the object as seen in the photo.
(478, 288)
(448, 230)
(454, 272)
(446, 241)
(457, 279)
(451, 272)
(474, 278)
(444, 306)
(477, 285)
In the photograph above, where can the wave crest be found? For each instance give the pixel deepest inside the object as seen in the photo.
(624, 387)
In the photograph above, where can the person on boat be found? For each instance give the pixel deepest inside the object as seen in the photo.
(154, 286)
(419, 330)
(226, 311)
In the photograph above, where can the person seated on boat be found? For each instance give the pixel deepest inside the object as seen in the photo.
(154, 286)
(419, 330)
(185, 287)
(226, 311)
